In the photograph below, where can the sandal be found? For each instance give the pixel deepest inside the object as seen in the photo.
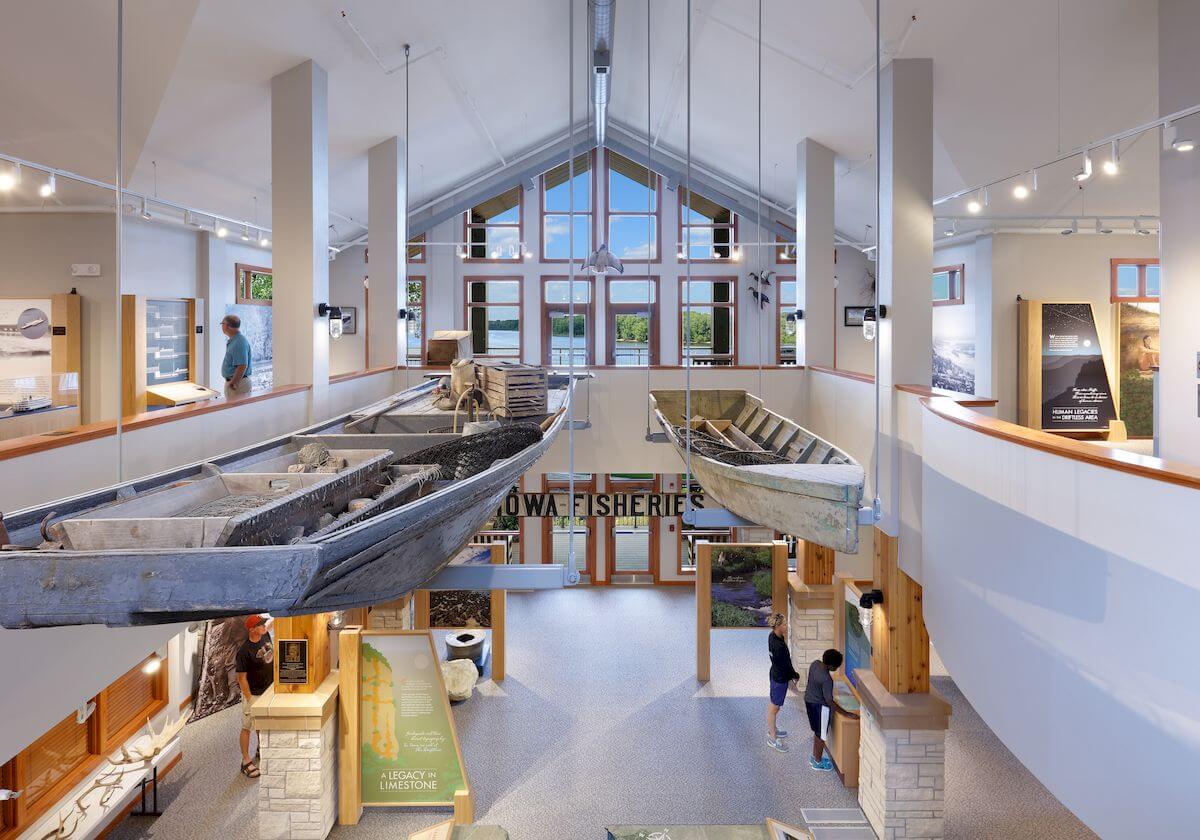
(250, 771)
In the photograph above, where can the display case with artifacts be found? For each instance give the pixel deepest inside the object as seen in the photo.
(39, 364)
(159, 354)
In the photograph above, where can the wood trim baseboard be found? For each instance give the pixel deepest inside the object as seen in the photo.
(1171, 472)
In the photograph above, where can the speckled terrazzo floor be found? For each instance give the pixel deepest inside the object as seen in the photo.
(601, 722)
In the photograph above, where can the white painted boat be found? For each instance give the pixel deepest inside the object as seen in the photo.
(764, 467)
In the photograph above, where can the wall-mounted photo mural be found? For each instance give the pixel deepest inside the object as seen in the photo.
(741, 586)
(1138, 356)
(954, 348)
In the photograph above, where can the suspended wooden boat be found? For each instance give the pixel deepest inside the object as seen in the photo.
(241, 533)
(765, 468)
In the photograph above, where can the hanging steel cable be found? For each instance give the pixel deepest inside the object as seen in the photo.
(572, 574)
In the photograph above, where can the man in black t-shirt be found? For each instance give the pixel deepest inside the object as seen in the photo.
(255, 673)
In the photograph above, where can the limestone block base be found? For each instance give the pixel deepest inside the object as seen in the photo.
(810, 625)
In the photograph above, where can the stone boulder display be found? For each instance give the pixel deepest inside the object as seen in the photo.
(460, 676)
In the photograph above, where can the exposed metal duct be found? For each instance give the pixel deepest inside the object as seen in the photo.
(602, 14)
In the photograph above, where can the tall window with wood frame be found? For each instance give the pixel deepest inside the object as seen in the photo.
(631, 547)
(633, 211)
(561, 342)
(788, 323)
(494, 316)
(707, 318)
(494, 229)
(632, 322)
(414, 320)
(1135, 281)
(559, 533)
(707, 230)
(255, 284)
(949, 285)
(557, 193)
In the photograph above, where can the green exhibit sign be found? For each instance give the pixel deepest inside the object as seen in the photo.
(409, 750)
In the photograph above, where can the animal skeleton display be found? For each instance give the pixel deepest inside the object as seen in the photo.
(109, 782)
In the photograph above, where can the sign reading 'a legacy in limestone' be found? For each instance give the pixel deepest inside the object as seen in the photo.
(653, 505)
(409, 752)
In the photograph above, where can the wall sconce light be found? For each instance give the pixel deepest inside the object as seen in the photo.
(6, 794)
(334, 314)
(871, 320)
(152, 665)
(337, 619)
(866, 608)
(798, 315)
(85, 711)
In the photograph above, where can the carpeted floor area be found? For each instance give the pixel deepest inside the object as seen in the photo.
(601, 722)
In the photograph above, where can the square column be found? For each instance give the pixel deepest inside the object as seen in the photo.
(300, 230)
(905, 256)
(388, 235)
(1178, 385)
(297, 791)
(814, 253)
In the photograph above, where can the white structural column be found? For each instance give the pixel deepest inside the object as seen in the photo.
(1178, 185)
(387, 228)
(905, 258)
(300, 230)
(814, 253)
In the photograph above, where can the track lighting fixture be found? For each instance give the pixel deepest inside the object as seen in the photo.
(264, 240)
(220, 229)
(10, 179)
(682, 255)
(152, 665)
(736, 255)
(245, 233)
(1020, 191)
(975, 205)
(1074, 228)
(1139, 230)
(1183, 144)
(495, 253)
(461, 250)
(526, 253)
(1113, 165)
(1103, 228)
(952, 229)
(48, 189)
(145, 214)
(1085, 170)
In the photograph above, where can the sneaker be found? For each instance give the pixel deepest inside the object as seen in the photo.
(824, 764)
(780, 733)
(777, 744)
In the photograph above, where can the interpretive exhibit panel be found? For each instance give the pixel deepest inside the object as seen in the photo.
(730, 580)
(857, 643)
(1064, 381)
(409, 751)
(24, 349)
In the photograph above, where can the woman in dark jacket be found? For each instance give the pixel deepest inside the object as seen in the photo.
(782, 673)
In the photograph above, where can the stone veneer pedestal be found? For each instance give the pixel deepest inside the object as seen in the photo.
(902, 761)
(297, 791)
(810, 624)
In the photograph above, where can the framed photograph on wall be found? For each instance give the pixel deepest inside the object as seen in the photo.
(349, 320)
(854, 315)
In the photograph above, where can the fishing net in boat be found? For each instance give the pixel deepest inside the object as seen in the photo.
(472, 454)
(711, 447)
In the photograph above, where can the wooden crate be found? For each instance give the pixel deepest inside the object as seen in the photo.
(444, 346)
(520, 390)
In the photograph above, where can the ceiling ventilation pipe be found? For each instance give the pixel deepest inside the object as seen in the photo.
(601, 13)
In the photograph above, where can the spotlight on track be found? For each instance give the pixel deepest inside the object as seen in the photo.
(145, 214)
(1074, 228)
(1103, 228)
(1139, 230)
(220, 229)
(1085, 170)
(264, 240)
(10, 179)
(952, 229)
(1113, 165)
(48, 189)
(975, 205)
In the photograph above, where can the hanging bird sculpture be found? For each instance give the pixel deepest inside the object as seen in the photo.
(602, 261)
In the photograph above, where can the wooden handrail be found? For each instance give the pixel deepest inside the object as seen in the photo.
(1146, 466)
(359, 374)
(844, 374)
(961, 399)
(30, 444)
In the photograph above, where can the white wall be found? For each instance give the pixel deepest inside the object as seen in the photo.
(346, 275)
(217, 285)
(852, 270)
(1061, 596)
(1051, 267)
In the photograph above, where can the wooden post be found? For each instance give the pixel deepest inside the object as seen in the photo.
(421, 609)
(899, 641)
(464, 807)
(839, 610)
(817, 564)
(133, 354)
(779, 575)
(314, 628)
(499, 607)
(65, 352)
(349, 768)
(703, 610)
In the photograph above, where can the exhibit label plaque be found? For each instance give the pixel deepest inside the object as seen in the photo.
(1076, 395)
(409, 753)
(292, 655)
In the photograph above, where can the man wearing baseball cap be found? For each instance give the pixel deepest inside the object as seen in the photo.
(255, 673)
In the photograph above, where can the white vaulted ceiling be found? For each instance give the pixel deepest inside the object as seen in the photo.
(490, 80)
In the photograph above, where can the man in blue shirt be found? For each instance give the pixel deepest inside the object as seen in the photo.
(236, 365)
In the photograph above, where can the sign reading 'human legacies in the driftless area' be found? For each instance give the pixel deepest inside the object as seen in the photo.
(409, 753)
(1076, 395)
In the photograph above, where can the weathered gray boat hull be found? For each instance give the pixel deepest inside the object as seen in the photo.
(817, 502)
(373, 561)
